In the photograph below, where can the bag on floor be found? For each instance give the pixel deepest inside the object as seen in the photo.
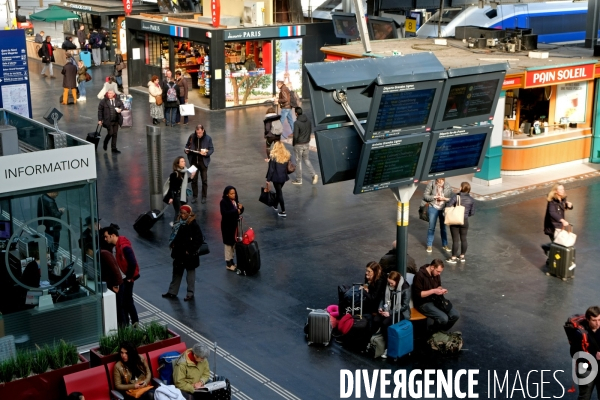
(166, 362)
(446, 344)
(247, 255)
(318, 327)
(376, 346)
(359, 335)
(400, 335)
(127, 118)
(186, 110)
(146, 221)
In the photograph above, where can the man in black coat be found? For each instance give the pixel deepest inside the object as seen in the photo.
(185, 241)
(199, 148)
(68, 44)
(109, 116)
(69, 72)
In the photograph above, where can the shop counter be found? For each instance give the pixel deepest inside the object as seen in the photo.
(59, 54)
(558, 145)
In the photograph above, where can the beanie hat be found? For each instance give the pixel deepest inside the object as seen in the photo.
(186, 208)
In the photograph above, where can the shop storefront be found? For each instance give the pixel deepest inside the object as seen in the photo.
(225, 67)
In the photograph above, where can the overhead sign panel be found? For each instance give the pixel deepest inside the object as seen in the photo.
(339, 151)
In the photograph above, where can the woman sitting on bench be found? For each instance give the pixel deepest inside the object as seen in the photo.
(132, 374)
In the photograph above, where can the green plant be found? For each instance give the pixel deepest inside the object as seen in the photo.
(41, 361)
(7, 370)
(63, 354)
(23, 363)
(138, 336)
(156, 332)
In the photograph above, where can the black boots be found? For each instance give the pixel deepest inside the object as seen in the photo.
(154, 121)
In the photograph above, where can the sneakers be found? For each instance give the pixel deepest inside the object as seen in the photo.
(297, 182)
(462, 259)
(429, 249)
(315, 179)
(275, 208)
(203, 201)
(384, 355)
(282, 214)
(452, 260)
(81, 98)
(446, 248)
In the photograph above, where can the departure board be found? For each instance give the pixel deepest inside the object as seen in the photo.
(467, 100)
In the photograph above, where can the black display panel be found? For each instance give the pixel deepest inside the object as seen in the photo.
(339, 151)
(345, 25)
(456, 152)
(381, 28)
(403, 109)
(469, 99)
(391, 163)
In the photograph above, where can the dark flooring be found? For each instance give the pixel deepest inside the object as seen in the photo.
(512, 314)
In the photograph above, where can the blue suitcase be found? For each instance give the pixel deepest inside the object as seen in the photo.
(86, 57)
(400, 338)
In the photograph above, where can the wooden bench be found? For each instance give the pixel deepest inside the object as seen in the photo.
(415, 315)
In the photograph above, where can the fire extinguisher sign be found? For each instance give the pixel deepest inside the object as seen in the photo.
(215, 9)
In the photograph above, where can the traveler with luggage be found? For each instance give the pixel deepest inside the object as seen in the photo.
(191, 370)
(277, 174)
(555, 211)
(69, 72)
(273, 129)
(131, 374)
(584, 336)
(373, 289)
(109, 116)
(436, 194)
(155, 100)
(171, 100)
(81, 79)
(178, 181)
(199, 147)
(428, 297)
(231, 209)
(395, 304)
(184, 242)
(459, 232)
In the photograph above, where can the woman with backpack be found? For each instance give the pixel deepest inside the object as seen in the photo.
(171, 100)
(273, 129)
(277, 174)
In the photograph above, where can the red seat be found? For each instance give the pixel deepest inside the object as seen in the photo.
(153, 356)
(92, 383)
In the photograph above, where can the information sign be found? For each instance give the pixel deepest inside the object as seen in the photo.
(14, 73)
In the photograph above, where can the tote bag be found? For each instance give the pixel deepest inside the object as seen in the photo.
(186, 110)
(455, 215)
(565, 237)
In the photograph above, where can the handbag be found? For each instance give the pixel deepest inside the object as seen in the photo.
(121, 66)
(268, 198)
(186, 110)
(137, 393)
(248, 236)
(88, 77)
(442, 303)
(565, 237)
(423, 212)
(291, 168)
(455, 215)
(159, 100)
(203, 250)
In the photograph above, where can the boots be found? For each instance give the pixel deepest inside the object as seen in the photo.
(154, 121)
(65, 96)
(74, 93)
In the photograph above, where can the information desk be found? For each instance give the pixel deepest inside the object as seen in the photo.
(59, 54)
(522, 153)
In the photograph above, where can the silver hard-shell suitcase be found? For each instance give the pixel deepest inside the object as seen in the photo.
(318, 327)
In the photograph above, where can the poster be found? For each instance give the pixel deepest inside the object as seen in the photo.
(571, 102)
(14, 73)
(288, 58)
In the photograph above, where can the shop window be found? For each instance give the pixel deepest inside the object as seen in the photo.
(248, 72)
(154, 50)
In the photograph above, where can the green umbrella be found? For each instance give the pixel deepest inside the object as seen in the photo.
(53, 14)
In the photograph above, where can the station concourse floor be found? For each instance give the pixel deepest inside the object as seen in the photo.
(512, 314)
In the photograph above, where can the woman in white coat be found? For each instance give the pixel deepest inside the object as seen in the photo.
(154, 93)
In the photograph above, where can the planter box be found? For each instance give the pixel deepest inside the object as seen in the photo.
(97, 359)
(46, 386)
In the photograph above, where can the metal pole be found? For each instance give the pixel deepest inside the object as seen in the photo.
(155, 182)
(441, 11)
(362, 25)
(402, 237)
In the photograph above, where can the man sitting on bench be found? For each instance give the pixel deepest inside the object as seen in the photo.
(191, 370)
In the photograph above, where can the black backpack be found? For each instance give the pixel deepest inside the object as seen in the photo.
(41, 51)
(294, 100)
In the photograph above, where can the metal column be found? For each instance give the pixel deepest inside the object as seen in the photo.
(155, 182)
(592, 24)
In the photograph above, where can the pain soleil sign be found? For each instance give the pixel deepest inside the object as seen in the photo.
(555, 76)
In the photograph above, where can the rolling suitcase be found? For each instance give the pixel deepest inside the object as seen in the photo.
(70, 99)
(86, 57)
(247, 255)
(146, 221)
(127, 118)
(400, 337)
(94, 137)
(357, 339)
(218, 389)
(561, 261)
(318, 327)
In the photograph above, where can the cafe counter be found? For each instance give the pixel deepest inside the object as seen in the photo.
(59, 54)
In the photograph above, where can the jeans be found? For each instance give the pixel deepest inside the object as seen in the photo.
(302, 153)
(441, 320)
(49, 66)
(434, 215)
(171, 115)
(279, 191)
(81, 87)
(128, 305)
(287, 113)
(119, 80)
(203, 172)
(459, 232)
(185, 118)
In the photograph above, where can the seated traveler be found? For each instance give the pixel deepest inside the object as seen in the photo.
(395, 305)
(191, 370)
(132, 373)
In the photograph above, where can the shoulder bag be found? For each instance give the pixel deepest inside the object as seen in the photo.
(455, 215)
(137, 393)
(291, 168)
(159, 100)
(424, 212)
(442, 303)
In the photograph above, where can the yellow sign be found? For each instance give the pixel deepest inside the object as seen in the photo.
(410, 25)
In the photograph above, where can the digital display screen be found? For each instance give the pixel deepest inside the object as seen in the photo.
(345, 26)
(470, 100)
(401, 109)
(383, 30)
(457, 152)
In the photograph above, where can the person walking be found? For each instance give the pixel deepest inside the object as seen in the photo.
(437, 193)
(155, 93)
(48, 57)
(178, 181)
(231, 209)
(459, 232)
(119, 67)
(301, 140)
(96, 42)
(284, 101)
(273, 129)
(277, 174)
(555, 211)
(81, 36)
(171, 100)
(199, 148)
(183, 96)
(69, 72)
(185, 241)
(109, 116)
(81, 79)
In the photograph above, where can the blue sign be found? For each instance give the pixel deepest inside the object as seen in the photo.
(15, 94)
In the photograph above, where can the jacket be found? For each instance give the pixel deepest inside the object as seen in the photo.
(95, 38)
(81, 38)
(153, 91)
(277, 172)
(48, 52)
(424, 281)
(47, 208)
(302, 130)
(429, 193)
(104, 112)
(68, 45)
(126, 258)
(194, 143)
(466, 201)
(389, 262)
(168, 392)
(267, 122)
(123, 378)
(581, 337)
(373, 297)
(183, 88)
(109, 270)
(39, 38)
(187, 372)
(175, 187)
(118, 60)
(229, 221)
(187, 242)
(171, 104)
(284, 97)
(400, 304)
(555, 211)
(69, 72)
(81, 74)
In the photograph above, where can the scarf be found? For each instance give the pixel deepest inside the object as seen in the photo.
(388, 297)
(439, 191)
(175, 229)
(184, 184)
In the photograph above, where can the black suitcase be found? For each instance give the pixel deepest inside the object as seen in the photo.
(359, 336)
(146, 221)
(209, 391)
(94, 137)
(561, 261)
(247, 255)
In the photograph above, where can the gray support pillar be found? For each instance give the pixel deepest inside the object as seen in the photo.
(592, 24)
(155, 182)
(347, 6)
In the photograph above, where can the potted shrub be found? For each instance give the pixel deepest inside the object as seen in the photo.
(38, 374)
(145, 338)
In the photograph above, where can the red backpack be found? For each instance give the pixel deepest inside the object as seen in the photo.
(577, 333)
